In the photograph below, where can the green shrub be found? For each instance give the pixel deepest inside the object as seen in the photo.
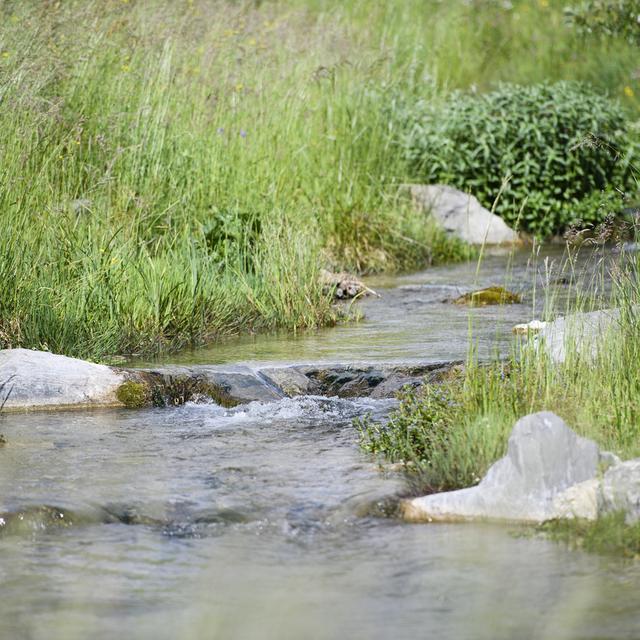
(610, 18)
(428, 433)
(555, 143)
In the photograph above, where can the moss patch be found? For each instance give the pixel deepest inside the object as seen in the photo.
(176, 390)
(134, 395)
(609, 535)
(488, 296)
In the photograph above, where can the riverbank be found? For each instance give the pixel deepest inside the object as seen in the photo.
(584, 370)
(182, 173)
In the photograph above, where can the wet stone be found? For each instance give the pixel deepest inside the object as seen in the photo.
(488, 296)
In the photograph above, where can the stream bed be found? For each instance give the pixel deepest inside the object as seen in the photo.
(266, 521)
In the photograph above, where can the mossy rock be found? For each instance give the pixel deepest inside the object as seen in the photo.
(169, 391)
(134, 395)
(488, 296)
(3, 440)
(176, 390)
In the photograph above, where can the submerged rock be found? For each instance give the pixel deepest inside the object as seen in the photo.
(544, 459)
(488, 296)
(461, 215)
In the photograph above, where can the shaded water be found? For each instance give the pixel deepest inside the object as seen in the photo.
(266, 521)
(415, 320)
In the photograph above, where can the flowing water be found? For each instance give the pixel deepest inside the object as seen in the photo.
(265, 521)
(414, 319)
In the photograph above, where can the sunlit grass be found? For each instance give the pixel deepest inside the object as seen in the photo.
(175, 171)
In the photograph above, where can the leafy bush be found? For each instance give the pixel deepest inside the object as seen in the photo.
(429, 434)
(556, 143)
(612, 18)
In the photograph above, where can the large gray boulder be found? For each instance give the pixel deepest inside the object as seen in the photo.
(544, 459)
(40, 379)
(620, 490)
(461, 215)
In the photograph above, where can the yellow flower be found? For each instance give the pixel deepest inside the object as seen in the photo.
(5, 54)
(125, 68)
(239, 86)
(628, 91)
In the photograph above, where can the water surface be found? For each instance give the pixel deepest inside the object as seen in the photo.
(267, 522)
(414, 320)
(263, 522)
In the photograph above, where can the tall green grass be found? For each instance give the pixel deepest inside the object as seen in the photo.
(174, 171)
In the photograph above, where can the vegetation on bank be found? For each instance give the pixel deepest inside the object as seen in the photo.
(175, 171)
(609, 535)
(547, 150)
(448, 434)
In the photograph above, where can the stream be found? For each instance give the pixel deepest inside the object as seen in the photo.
(266, 521)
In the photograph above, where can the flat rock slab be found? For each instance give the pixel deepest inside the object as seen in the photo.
(38, 379)
(461, 215)
(544, 459)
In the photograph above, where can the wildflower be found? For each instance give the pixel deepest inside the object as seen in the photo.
(239, 86)
(220, 131)
(5, 54)
(125, 68)
(628, 91)
(243, 133)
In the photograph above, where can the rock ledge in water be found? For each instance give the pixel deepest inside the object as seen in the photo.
(42, 380)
